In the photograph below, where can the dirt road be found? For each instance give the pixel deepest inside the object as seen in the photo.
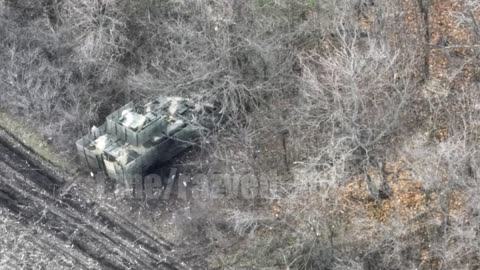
(91, 235)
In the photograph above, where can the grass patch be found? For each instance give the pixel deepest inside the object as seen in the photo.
(18, 127)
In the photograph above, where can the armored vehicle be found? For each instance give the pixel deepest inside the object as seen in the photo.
(134, 138)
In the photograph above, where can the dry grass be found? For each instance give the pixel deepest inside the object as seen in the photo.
(28, 248)
(33, 140)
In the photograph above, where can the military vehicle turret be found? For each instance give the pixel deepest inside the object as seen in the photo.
(135, 138)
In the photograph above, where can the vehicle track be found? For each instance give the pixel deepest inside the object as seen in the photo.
(32, 193)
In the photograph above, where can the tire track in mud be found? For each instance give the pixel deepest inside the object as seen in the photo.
(30, 192)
